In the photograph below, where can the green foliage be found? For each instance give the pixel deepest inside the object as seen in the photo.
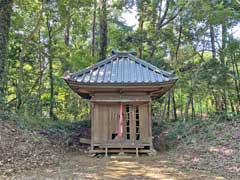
(181, 43)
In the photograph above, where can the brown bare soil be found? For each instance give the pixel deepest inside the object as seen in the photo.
(77, 166)
(23, 150)
(30, 155)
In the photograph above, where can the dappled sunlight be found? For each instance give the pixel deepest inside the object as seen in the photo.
(148, 168)
(121, 169)
(222, 150)
(235, 169)
(145, 168)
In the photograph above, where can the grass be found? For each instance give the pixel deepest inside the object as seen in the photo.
(37, 123)
(196, 149)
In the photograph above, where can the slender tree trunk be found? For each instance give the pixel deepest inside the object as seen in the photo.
(224, 40)
(103, 29)
(50, 62)
(232, 106)
(216, 103)
(38, 108)
(236, 81)
(193, 109)
(22, 58)
(94, 28)
(168, 105)
(189, 100)
(20, 81)
(174, 105)
(222, 59)
(212, 34)
(5, 20)
(201, 112)
(67, 30)
(179, 42)
(140, 29)
(164, 109)
(181, 102)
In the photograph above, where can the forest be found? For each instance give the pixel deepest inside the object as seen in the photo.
(41, 41)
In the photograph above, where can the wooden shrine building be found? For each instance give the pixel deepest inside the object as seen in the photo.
(120, 89)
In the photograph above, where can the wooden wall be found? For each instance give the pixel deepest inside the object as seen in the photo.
(105, 116)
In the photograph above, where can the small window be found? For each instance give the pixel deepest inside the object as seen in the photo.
(137, 129)
(137, 110)
(137, 116)
(114, 135)
(137, 123)
(127, 108)
(128, 136)
(137, 136)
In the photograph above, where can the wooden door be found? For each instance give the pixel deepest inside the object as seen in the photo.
(100, 123)
(136, 123)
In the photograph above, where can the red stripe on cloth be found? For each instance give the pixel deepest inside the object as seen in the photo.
(120, 122)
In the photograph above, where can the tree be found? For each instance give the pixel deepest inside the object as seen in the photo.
(5, 20)
(103, 29)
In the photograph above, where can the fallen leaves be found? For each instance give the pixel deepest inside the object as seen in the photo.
(21, 150)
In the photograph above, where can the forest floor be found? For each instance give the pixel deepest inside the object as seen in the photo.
(30, 155)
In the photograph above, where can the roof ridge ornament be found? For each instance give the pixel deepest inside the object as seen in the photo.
(114, 52)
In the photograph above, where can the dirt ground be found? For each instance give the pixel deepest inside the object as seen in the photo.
(28, 155)
(77, 166)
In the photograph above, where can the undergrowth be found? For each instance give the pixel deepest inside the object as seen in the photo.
(189, 131)
(37, 123)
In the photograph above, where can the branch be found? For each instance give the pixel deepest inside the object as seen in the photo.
(164, 14)
(169, 20)
(27, 40)
(35, 84)
(179, 41)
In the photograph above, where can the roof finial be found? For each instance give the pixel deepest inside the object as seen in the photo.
(132, 52)
(114, 51)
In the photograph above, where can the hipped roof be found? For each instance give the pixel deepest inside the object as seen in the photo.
(120, 70)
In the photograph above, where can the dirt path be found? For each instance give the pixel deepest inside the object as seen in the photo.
(76, 167)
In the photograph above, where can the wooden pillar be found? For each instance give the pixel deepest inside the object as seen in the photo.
(137, 154)
(92, 124)
(150, 124)
(106, 151)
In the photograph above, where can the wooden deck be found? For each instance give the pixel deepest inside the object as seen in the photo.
(121, 148)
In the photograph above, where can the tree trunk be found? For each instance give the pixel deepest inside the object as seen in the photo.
(38, 108)
(193, 109)
(5, 19)
(179, 42)
(236, 75)
(168, 105)
(164, 109)
(103, 29)
(94, 28)
(67, 30)
(140, 29)
(174, 105)
(216, 103)
(232, 106)
(181, 102)
(212, 34)
(22, 57)
(189, 100)
(222, 59)
(50, 62)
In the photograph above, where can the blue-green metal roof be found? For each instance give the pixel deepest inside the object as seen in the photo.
(122, 68)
